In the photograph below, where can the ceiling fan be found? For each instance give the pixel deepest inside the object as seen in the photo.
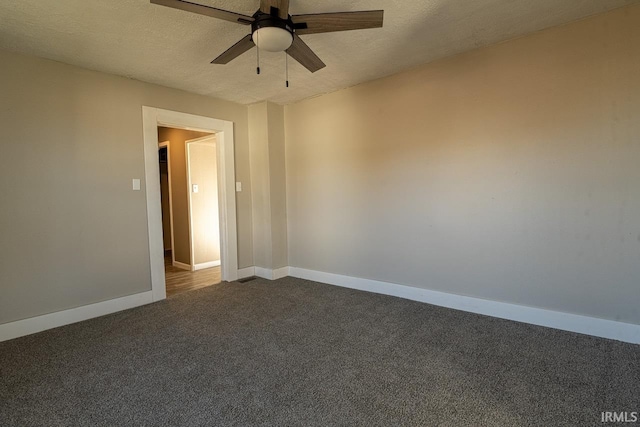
(274, 30)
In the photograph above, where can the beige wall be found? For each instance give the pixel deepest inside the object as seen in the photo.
(73, 231)
(177, 139)
(204, 203)
(259, 155)
(266, 139)
(509, 173)
(278, 186)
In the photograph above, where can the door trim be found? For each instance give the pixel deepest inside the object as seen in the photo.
(151, 119)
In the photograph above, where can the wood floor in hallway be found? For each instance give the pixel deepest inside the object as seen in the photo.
(179, 281)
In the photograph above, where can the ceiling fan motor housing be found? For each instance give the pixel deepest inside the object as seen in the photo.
(272, 33)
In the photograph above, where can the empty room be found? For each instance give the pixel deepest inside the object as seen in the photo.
(312, 213)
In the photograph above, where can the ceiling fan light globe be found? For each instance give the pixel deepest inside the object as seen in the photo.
(272, 39)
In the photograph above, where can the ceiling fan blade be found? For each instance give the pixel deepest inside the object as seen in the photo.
(234, 51)
(206, 10)
(341, 21)
(281, 5)
(304, 55)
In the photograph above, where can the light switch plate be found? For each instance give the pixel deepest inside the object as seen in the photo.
(238, 187)
(136, 184)
(195, 188)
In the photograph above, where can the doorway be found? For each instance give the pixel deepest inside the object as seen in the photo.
(164, 155)
(153, 118)
(190, 215)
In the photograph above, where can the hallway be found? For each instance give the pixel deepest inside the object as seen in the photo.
(178, 281)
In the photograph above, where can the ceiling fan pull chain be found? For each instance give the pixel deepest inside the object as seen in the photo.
(286, 67)
(258, 50)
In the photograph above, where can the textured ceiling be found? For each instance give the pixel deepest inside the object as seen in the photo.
(173, 48)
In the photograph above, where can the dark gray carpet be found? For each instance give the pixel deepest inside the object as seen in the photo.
(294, 352)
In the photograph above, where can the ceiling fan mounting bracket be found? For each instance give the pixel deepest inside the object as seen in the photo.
(264, 20)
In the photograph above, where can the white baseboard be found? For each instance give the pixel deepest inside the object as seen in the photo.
(265, 273)
(603, 328)
(181, 266)
(552, 319)
(32, 325)
(246, 272)
(280, 273)
(205, 265)
(268, 274)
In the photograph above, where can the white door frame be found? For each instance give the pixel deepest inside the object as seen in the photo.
(151, 119)
(192, 245)
(167, 145)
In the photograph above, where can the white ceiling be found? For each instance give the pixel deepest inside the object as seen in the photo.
(173, 48)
